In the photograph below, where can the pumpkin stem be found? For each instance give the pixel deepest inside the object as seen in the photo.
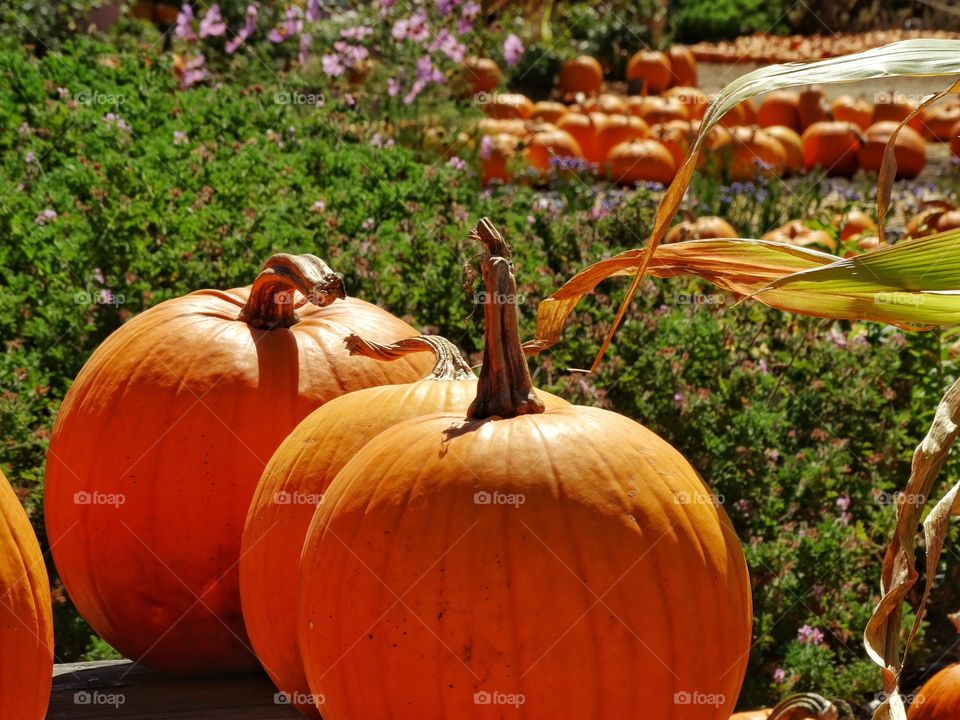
(450, 363)
(505, 388)
(806, 706)
(271, 302)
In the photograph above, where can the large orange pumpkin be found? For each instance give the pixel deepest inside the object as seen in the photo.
(26, 622)
(481, 74)
(581, 75)
(676, 136)
(792, 146)
(683, 66)
(938, 699)
(955, 140)
(548, 111)
(755, 152)
(606, 103)
(909, 149)
(495, 156)
(648, 72)
(585, 129)
(655, 110)
(618, 129)
(505, 556)
(545, 146)
(858, 111)
(796, 232)
(160, 442)
(939, 121)
(781, 107)
(891, 107)
(812, 107)
(297, 476)
(693, 99)
(641, 161)
(502, 106)
(833, 146)
(702, 228)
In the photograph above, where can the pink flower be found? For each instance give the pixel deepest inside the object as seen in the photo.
(212, 24)
(304, 51)
(456, 163)
(180, 137)
(417, 28)
(779, 675)
(359, 32)
(427, 72)
(446, 42)
(332, 66)
(319, 206)
(291, 25)
(393, 87)
(193, 72)
(314, 10)
(843, 503)
(445, 7)
(400, 29)
(464, 26)
(246, 31)
(369, 223)
(45, 216)
(486, 147)
(512, 49)
(810, 635)
(470, 10)
(183, 28)
(98, 276)
(415, 90)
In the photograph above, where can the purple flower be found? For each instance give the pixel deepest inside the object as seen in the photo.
(446, 42)
(678, 400)
(212, 24)
(456, 163)
(393, 87)
(180, 137)
(464, 26)
(29, 158)
(400, 29)
(314, 10)
(332, 66)
(427, 72)
(193, 72)
(779, 675)
(303, 54)
(417, 28)
(512, 49)
(45, 216)
(246, 31)
(184, 24)
(470, 10)
(445, 7)
(810, 635)
(843, 503)
(486, 147)
(98, 276)
(356, 54)
(359, 32)
(291, 25)
(415, 90)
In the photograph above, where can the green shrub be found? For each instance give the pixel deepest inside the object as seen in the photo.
(696, 20)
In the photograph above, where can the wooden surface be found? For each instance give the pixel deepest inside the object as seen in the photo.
(122, 690)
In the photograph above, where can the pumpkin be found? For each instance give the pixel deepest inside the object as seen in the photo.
(925, 222)
(618, 129)
(505, 552)
(797, 233)
(26, 621)
(755, 152)
(950, 220)
(858, 111)
(511, 126)
(495, 156)
(781, 107)
(160, 442)
(508, 105)
(693, 99)
(655, 110)
(675, 136)
(548, 111)
(792, 146)
(743, 113)
(298, 474)
(648, 72)
(803, 706)
(581, 75)
(891, 107)
(909, 149)
(938, 122)
(938, 698)
(832, 146)
(606, 103)
(701, 228)
(812, 107)
(585, 130)
(545, 146)
(641, 161)
(482, 75)
(683, 66)
(855, 222)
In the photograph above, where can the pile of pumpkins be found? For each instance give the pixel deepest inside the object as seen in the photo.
(766, 48)
(280, 475)
(644, 137)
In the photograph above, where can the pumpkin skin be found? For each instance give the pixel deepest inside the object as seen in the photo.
(656, 110)
(755, 152)
(939, 121)
(833, 146)
(641, 161)
(909, 149)
(693, 99)
(581, 75)
(585, 129)
(302, 468)
(797, 233)
(503, 106)
(26, 621)
(648, 71)
(676, 136)
(550, 144)
(600, 518)
(619, 129)
(481, 74)
(701, 228)
(812, 107)
(891, 108)
(781, 107)
(792, 147)
(495, 166)
(548, 111)
(683, 66)
(955, 140)
(180, 427)
(847, 108)
(938, 698)
(856, 222)
(606, 103)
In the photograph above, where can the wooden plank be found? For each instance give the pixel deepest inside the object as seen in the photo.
(122, 690)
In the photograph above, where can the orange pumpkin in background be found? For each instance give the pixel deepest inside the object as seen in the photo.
(693, 99)
(619, 129)
(855, 222)
(755, 152)
(891, 107)
(476, 520)
(298, 475)
(812, 107)
(548, 111)
(581, 75)
(648, 72)
(938, 699)
(780, 107)
(26, 619)
(495, 159)
(511, 126)
(955, 140)
(585, 129)
(796, 232)
(792, 146)
(847, 108)
(676, 136)
(545, 146)
(939, 121)
(701, 228)
(161, 439)
(909, 149)
(482, 75)
(606, 103)
(656, 109)
(508, 105)
(683, 66)
(641, 161)
(832, 146)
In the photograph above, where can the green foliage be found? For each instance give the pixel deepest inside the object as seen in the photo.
(695, 20)
(44, 24)
(804, 427)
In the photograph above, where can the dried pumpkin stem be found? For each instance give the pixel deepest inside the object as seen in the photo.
(505, 388)
(271, 302)
(450, 363)
(805, 705)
